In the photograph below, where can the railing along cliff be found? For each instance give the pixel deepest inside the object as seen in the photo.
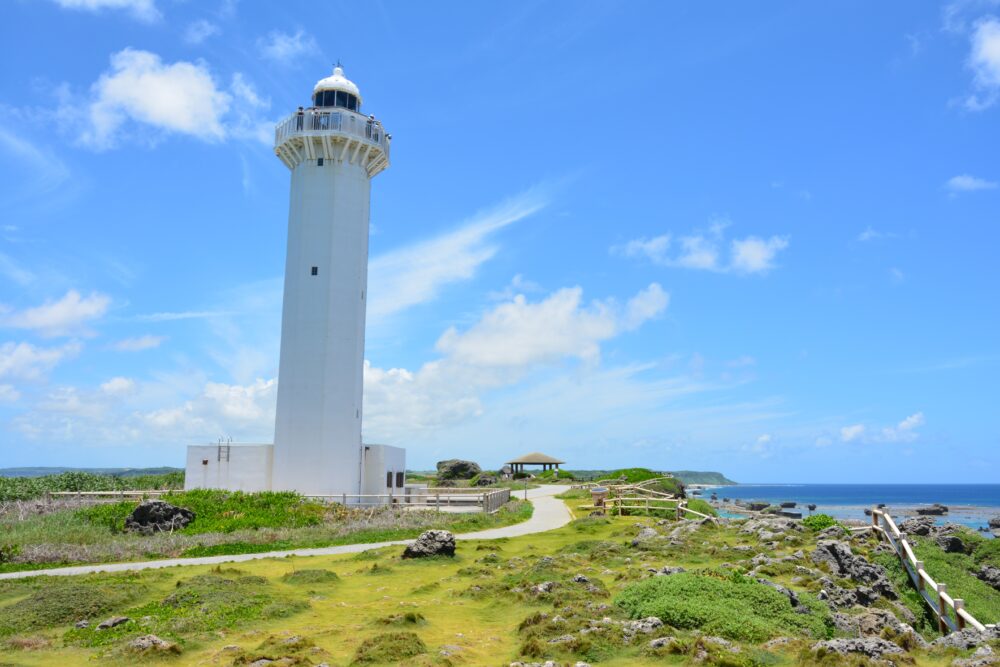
(950, 612)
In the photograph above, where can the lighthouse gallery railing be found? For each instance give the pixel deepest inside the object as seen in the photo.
(316, 122)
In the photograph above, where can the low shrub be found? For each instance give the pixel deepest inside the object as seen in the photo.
(818, 522)
(310, 577)
(729, 605)
(389, 647)
(63, 601)
(699, 505)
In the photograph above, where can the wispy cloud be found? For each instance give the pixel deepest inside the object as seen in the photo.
(183, 315)
(62, 317)
(30, 362)
(968, 183)
(870, 234)
(415, 274)
(44, 171)
(284, 48)
(147, 342)
(904, 431)
(14, 271)
(142, 10)
(200, 30)
(705, 250)
(984, 61)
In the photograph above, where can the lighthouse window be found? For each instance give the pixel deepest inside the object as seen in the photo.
(319, 162)
(335, 98)
(399, 480)
(315, 270)
(388, 480)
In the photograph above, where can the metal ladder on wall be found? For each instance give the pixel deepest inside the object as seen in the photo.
(224, 447)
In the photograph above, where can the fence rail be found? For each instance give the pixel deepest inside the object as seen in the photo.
(315, 122)
(950, 612)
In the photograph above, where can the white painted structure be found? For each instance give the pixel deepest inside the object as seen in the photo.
(384, 470)
(233, 467)
(333, 151)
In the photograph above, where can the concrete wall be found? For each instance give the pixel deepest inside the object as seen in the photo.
(379, 460)
(248, 467)
(317, 435)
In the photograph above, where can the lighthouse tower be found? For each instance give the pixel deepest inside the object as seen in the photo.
(333, 151)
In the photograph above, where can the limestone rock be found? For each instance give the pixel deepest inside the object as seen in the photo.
(870, 647)
(995, 523)
(431, 543)
(991, 575)
(937, 509)
(644, 534)
(951, 544)
(918, 525)
(486, 480)
(151, 643)
(844, 563)
(967, 638)
(457, 469)
(152, 516)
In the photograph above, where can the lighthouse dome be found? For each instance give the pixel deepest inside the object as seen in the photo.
(337, 90)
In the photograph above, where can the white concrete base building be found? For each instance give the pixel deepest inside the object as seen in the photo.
(333, 152)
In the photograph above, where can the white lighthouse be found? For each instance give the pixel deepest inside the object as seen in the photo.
(333, 151)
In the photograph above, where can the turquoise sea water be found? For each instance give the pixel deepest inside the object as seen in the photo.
(969, 504)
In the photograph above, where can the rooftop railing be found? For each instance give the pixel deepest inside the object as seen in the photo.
(317, 122)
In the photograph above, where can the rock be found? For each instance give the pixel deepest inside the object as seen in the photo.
(776, 643)
(486, 480)
(832, 533)
(457, 469)
(870, 647)
(151, 643)
(757, 506)
(937, 509)
(721, 643)
(788, 504)
(918, 525)
(83, 624)
(844, 563)
(967, 638)
(790, 594)
(644, 534)
(580, 579)
(544, 587)
(995, 523)
(562, 640)
(951, 544)
(642, 626)
(983, 657)
(431, 543)
(666, 571)
(153, 516)
(991, 575)
(113, 622)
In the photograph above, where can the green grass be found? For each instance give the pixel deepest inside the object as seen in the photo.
(28, 488)
(390, 647)
(63, 601)
(699, 505)
(732, 606)
(311, 577)
(981, 600)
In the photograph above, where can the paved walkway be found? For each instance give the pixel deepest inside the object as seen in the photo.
(550, 513)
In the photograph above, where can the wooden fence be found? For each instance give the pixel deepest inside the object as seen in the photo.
(950, 612)
(638, 497)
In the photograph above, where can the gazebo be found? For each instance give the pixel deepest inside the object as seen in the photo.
(534, 459)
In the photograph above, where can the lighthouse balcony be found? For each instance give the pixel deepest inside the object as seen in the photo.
(332, 135)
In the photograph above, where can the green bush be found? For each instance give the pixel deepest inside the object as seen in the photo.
(390, 647)
(818, 522)
(699, 505)
(27, 488)
(732, 606)
(311, 577)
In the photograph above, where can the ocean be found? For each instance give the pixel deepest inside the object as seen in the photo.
(969, 504)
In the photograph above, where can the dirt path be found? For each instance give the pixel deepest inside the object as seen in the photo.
(549, 513)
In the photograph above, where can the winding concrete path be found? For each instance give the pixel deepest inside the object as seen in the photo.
(549, 513)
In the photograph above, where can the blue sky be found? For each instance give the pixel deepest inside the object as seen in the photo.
(750, 237)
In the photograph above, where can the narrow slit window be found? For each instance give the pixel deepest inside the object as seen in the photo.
(399, 480)
(319, 162)
(388, 480)
(315, 271)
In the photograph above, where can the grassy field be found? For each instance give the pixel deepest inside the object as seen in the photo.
(225, 523)
(495, 602)
(28, 488)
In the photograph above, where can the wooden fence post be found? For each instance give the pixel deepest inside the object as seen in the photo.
(942, 608)
(875, 517)
(959, 604)
(917, 566)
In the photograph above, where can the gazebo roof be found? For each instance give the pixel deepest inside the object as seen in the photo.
(536, 458)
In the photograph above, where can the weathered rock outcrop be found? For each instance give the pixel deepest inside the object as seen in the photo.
(952, 544)
(870, 647)
(431, 543)
(918, 525)
(457, 469)
(845, 563)
(486, 480)
(157, 516)
(151, 644)
(937, 509)
(991, 575)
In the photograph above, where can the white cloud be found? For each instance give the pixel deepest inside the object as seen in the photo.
(754, 255)
(43, 172)
(897, 276)
(117, 386)
(984, 61)
(147, 342)
(416, 274)
(28, 362)
(871, 234)
(14, 272)
(183, 315)
(143, 10)
(703, 250)
(852, 433)
(284, 47)
(181, 97)
(519, 334)
(200, 30)
(904, 431)
(967, 183)
(67, 316)
(8, 394)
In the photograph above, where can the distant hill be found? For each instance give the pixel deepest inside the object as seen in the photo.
(702, 477)
(114, 472)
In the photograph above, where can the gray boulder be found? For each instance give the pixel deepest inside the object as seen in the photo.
(995, 523)
(486, 480)
(457, 469)
(918, 525)
(967, 638)
(937, 509)
(113, 622)
(991, 575)
(157, 516)
(644, 535)
(844, 563)
(870, 647)
(431, 543)
(951, 544)
(151, 644)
